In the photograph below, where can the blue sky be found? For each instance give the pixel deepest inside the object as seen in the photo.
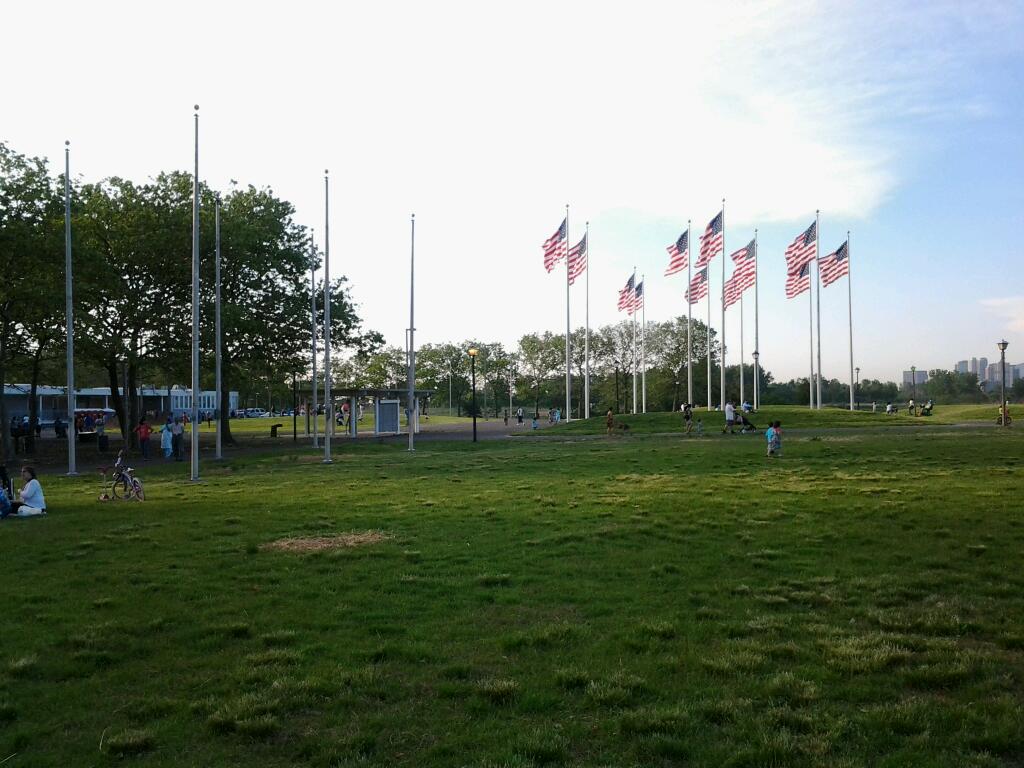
(901, 123)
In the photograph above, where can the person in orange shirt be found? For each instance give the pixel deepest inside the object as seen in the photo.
(144, 431)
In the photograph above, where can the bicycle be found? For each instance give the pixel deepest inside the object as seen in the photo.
(127, 486)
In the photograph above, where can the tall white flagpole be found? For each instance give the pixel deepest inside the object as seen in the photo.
(817, 279)
(757, 348)
(216, 279)
(195, 309)
(689, 317)
(643, 348)
(328, 415)
(312, 305)
(722, 366)
(810, 332)
(69, 318)
(849, 307)
(635, 361)
(411, 397)
(586, 338)
(568, 340)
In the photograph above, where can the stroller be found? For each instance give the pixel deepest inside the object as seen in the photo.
(746, 425)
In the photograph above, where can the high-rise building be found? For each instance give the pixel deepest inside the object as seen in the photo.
(974, 365)
(961, 367)
(982, 368)
(919, 376)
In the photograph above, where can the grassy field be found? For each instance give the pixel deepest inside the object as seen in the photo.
(646, 602)
(791, 417)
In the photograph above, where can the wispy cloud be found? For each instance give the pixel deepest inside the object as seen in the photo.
(1009, 310)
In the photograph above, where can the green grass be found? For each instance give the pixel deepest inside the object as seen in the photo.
(646, 602)
(798, 417)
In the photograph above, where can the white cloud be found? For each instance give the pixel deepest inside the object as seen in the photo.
(1009, 310)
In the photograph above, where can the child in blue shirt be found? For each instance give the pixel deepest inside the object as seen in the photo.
(774, 438)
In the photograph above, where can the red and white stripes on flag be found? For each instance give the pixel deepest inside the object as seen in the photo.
(638, 298)
(627, 295)
(712, 241)
(799, 281)
(555, 247)
(733, 290)
(803, 250)
(698, 287)
(835, 265)
(745, 266)
(679, 254)
(577, 260)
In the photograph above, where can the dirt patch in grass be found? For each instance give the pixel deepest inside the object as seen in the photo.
(322, 543)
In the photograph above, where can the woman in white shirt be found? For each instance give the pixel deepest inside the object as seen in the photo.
(32, 501)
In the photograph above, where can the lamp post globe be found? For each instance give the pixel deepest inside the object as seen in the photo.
(473, 352)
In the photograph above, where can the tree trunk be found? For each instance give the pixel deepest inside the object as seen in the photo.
(223, 408)
(33, 401)
(5, 428)
(132, 439)
(115, 394)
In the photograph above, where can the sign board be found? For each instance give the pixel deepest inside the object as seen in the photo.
(386, 421)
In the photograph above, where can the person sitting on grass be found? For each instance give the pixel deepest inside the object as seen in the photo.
(32, 502)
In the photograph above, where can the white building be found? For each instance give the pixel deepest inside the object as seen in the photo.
(52, 401)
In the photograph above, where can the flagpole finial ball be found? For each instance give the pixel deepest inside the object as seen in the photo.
(67, 143)
(196, 107)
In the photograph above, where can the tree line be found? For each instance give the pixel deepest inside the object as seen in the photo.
(132, 256)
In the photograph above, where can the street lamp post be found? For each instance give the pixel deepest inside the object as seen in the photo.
(1002, 380)
(913, 383)
(757, 381)
(856, 389)
(473, 352)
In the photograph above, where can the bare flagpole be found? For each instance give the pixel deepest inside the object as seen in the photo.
(328, 415)
(849, 307)
(708, 267)
(643, 347)
(195, 311)
(817, 277)
(568, 340)
(216, 279)
(689, 317)
(312, 302)
(757, 348)
(69, 313)
(411, 397)
(586, 339)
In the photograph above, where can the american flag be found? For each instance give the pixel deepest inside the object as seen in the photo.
(554, 247)
(712, 241)
(733, 289)
(802, 250)
(577, 260)
(626, 295)
(638, 298)
(745, 263)
(799, 281)
(835, 265)
(679, 254)
(698, 287)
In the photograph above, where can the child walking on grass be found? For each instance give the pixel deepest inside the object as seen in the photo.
(774, 438)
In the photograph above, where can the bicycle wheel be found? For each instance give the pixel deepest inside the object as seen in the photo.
(137, 491)
(119, 489)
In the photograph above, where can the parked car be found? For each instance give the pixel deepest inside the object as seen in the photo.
(255, 413)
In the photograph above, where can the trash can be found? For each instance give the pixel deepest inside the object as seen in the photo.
(274, 428)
